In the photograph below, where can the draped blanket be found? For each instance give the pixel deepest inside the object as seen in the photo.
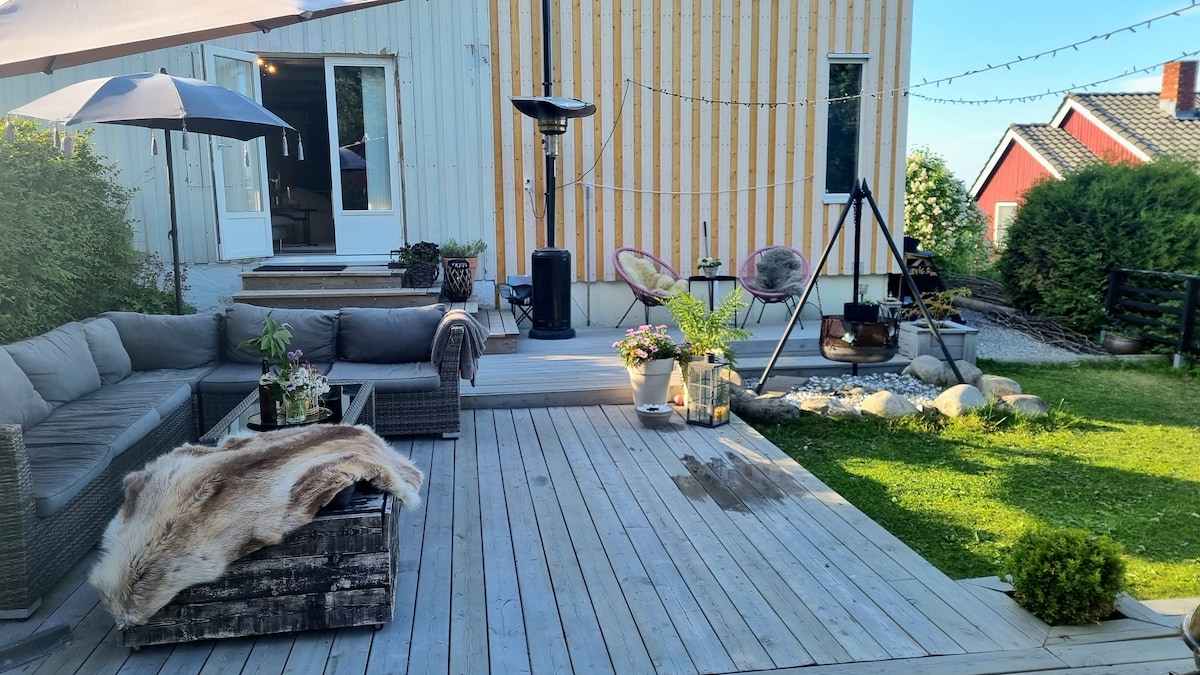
(474, 342)
(191, 512)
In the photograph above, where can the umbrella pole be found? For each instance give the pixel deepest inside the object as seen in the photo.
(174, 234)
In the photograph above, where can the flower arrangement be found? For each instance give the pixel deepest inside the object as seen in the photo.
(296, 378)
(294, 383)
(646, 343)
(709, 262)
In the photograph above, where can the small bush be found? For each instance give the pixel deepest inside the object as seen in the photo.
(1066, 576)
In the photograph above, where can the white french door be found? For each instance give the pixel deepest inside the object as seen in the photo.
(364, 152)
(239, 167)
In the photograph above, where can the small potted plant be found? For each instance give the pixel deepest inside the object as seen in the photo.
(421, 262)
(862, 311)
(709, 266)
(649, 354)
(1122, 341)
(459, 286)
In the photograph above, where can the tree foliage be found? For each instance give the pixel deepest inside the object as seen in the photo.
(1069, 232)
(939, 212)
(65, 242)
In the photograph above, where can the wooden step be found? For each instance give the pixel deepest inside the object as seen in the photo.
(352, 277)
(336, 298)
(502, 331)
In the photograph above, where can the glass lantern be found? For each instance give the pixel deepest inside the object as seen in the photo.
(708, 392)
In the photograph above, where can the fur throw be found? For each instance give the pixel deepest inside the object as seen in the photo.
(643, 272)
(191, 512)
(780, 271)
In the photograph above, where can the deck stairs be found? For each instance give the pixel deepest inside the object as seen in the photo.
(335, 286)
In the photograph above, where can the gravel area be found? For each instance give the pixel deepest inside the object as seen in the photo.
(1005, 344)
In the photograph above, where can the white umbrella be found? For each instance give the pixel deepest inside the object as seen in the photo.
(158, 101)
(43, 35)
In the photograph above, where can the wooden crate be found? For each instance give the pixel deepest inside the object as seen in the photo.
(339, 570)
(961, 340)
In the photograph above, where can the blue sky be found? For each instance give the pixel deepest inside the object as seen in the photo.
(953, 36)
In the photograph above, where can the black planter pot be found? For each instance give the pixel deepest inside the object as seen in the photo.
(1115, 343)
(853, 311)
(421, 275)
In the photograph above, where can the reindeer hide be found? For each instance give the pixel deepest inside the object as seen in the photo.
(191, 512)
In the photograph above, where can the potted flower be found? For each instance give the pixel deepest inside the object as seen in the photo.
(709, 266)
(649, 354)
(299, 384)
(459, 285)
(420, 261)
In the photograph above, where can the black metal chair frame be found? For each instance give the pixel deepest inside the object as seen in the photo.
(519, 297)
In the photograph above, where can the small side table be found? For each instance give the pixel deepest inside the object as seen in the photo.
(712, 284)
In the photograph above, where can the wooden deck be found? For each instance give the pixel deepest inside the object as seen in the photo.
(569, 539)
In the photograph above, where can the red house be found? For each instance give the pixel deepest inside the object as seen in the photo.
(1089, 128)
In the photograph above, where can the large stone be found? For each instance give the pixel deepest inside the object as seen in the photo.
(929, 370)
(1025, 404)
(995, 387)
(771, 408)
(887, 405)
(959, 400)
(970, 372)
(828, 406)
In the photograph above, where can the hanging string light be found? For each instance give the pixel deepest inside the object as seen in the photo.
(68, 146)
(154, 143)
(183, 125)
(285, 143)
(10, 135)
(299, 147)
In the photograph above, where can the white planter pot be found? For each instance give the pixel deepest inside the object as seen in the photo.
(651, 381)
(916, 339)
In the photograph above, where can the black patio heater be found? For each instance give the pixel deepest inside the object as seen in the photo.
(551, 265)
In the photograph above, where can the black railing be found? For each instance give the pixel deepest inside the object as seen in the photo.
(1162, 304)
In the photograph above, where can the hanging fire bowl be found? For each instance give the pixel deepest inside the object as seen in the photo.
(858, 342)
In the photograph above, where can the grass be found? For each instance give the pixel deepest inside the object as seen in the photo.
(1119, 455)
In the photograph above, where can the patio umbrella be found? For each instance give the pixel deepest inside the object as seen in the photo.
(159, 101)
(42, 35)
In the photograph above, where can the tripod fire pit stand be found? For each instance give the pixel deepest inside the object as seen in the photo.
(858, 195)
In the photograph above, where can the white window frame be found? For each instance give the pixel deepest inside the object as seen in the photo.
(999, 225)
(831, 60)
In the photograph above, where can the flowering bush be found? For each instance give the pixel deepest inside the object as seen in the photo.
(646, 343)
(939, 212)
(709, 262)
(294, 377)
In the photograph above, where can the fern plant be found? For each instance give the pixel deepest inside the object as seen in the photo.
(705, 331)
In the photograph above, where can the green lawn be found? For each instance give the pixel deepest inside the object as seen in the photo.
(1119, 456)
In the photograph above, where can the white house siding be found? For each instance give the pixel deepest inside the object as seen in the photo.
(664, 164)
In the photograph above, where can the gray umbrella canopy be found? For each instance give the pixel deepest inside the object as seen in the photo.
(157, 101)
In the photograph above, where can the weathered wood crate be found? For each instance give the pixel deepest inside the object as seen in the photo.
(962, 341)
(337, 571)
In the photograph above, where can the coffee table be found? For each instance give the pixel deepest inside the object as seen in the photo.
(357, 407)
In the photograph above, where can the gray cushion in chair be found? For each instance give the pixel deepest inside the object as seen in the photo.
(238, 378)
(402, 335)
(156, 341)
(20, 403)
(389, 377)
(107, 351)
(313, 332)
(58, 363)
(117, 416)
(59, 472)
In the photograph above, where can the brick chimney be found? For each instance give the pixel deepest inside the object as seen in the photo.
(1178, 96)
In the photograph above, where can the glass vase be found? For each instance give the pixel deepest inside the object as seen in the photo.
(295, 407)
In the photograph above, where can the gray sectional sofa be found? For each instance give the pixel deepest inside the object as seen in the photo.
(86, 403)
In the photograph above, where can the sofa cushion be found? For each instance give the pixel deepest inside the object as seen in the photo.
(190, 376)
(107, 351)
(58, 363)
(238, 378)
(156, 341)
(313, 332)
(115, 416)
(401, 335)
(389, 377)
(59, 472)
(20, 403)
(165, 396)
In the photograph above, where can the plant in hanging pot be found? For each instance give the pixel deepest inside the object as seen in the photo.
(709, 266)
(649, 354)
(421, 263)
(862, 311)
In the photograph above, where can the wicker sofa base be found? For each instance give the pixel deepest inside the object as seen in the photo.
(35, 552)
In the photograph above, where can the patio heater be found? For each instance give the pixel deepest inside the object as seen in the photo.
(551, 265)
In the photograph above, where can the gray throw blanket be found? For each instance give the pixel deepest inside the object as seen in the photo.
(472, 346)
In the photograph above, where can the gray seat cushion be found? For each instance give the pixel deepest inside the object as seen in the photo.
(313, 332)
(58, 363)
(389, 377)
(117, 416)
(400, 335)
(156, 341)
(107, 351)
(59, 472)
(20, 403)
(188, 376)
(166, 396)
(238, 378)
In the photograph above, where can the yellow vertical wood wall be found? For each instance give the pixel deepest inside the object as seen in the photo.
(650, 166)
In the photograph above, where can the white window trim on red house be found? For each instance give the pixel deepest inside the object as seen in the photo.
(1069, 106)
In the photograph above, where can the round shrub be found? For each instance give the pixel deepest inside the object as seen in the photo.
(1069, 232)
(1066, 576)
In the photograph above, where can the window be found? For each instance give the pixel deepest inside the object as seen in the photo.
(1005, 212)
(841, 135)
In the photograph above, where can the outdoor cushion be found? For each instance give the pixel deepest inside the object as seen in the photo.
(19, 401)
(238, 378)
(313, 332)
(402, 335)
(165, 397)
(58, 363)
(117, 421)
(107, 351)
(190, 376)
(389, 377)
(59, 472)
(156, 341)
